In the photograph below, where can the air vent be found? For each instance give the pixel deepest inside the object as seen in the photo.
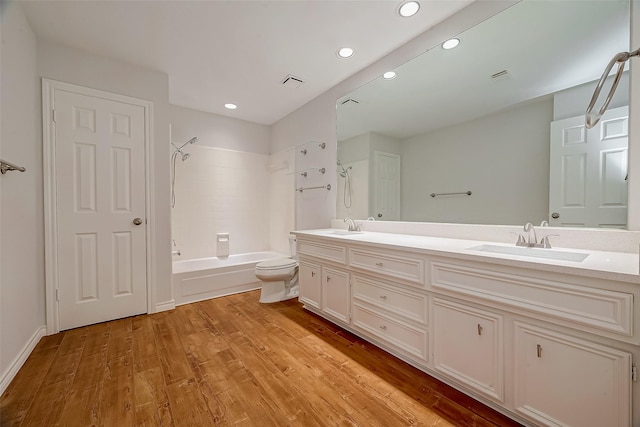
(292, 81)
(501, 76)
(349, 101)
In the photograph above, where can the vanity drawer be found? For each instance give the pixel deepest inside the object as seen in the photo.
(405, 338)
(395, 299)
(572, 304)
(402, 267)
(322, 250)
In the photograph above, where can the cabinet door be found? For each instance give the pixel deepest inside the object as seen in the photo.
(566, 381)
(336, 293)
(310, 285)
(468, 347)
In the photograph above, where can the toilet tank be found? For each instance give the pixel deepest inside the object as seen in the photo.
(292, 245)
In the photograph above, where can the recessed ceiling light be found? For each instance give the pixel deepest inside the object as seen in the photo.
(345, 52)
(409, 8)
(389, 75)
(230, 106)
(450, 44)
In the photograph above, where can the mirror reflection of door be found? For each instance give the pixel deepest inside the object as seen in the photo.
(386, 184)
(588, 170)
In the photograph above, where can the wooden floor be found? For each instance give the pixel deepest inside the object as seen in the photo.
(227, 361)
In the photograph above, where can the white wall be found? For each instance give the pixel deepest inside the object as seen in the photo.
(223, 187)
(221, 191)
(506, 153)
(217, 131)
(85, 69)
(22, 291)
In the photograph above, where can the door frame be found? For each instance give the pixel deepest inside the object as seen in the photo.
(49, 88)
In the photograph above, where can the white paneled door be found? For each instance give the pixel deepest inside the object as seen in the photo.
(588, 170)
(99, 169)
(387, 186)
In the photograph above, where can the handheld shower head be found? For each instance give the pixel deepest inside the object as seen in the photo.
(191, 141)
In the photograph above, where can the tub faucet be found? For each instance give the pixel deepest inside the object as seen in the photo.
(352, 224)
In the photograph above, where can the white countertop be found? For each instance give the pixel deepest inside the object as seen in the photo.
(619, 266)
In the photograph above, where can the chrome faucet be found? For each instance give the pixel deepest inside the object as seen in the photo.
(533, 242)
(529, 228)
(352, 224)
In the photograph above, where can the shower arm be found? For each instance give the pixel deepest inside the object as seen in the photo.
(621, 58)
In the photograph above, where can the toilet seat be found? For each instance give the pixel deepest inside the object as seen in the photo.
(276, 264)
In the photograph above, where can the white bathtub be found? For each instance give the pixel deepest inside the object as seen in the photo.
(204, 278)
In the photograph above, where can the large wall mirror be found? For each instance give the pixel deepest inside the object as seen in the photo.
(492, 131)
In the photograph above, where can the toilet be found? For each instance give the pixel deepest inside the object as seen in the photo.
(279, 277)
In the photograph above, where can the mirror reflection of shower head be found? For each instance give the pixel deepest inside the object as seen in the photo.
(344, 172)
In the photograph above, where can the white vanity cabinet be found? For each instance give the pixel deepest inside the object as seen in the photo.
(548, 346)
(392, 314)
(310, 284)
(561, 380)
(324, 283)
(336, 294)
(468, 346)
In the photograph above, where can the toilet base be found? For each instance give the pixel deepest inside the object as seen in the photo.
(277, 291)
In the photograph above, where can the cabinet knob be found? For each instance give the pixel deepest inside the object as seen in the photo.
(383, 297)
(539, 350)
(379, 264)
(313, 273)
(328, 278)
(479, 329)
(383, 327)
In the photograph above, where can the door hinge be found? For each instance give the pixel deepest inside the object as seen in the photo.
(53, 116)
(634, 373)
(57, 294)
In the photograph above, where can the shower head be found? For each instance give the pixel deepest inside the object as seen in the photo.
(191, 141)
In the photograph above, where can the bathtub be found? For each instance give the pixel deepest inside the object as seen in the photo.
(204, 278)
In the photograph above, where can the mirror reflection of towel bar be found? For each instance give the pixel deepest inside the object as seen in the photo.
(8, 166)
(468, 193)
(301, 189)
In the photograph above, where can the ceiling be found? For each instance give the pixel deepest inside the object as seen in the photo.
(218, 52)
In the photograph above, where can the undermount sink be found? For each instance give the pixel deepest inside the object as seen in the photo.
(345, 232)
(532, 252)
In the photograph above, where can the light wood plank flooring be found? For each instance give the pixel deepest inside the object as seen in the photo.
(227, 361)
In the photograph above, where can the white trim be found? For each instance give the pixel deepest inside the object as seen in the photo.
(49, 87)
(18, 362)
(165, 306)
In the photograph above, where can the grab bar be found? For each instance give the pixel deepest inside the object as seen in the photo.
(468, 193)
(301, 189)
(591, 119)
(8, 166)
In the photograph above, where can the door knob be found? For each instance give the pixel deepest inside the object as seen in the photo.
(555, 215)
(137, 221)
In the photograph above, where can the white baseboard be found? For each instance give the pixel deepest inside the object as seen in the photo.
(165, 306)
(17, 363)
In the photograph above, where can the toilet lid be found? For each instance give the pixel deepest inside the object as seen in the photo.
(276, 264)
